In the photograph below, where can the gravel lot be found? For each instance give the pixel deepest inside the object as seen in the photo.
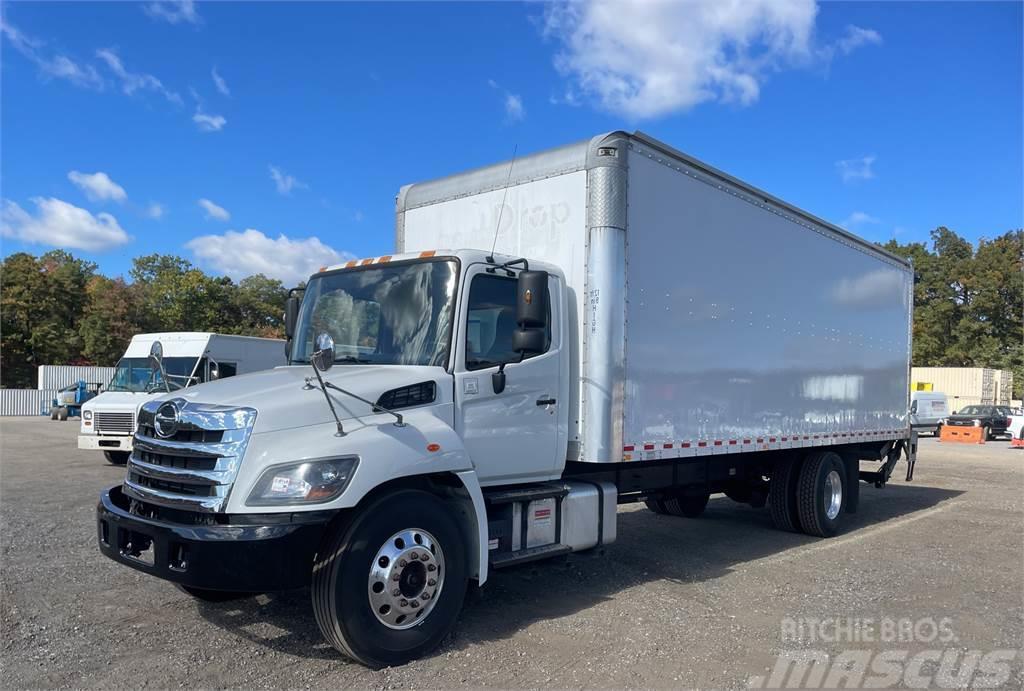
(673, 603)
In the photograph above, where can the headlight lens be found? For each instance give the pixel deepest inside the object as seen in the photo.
(312, 482)
(87, 415)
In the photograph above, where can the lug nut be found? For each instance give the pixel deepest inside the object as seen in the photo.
(424, 596)
(414, 604)
(401, 562)
(431, 582)
(431, 567)
(414, 555)
(403, 603)
(396, 592)
(425, 557)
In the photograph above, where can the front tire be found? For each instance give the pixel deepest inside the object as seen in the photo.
(821, 494)
(53, 412)
(377, 603)
(62, 414)
(116, 457)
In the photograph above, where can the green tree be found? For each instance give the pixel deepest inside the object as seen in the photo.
(112, 316)
(258, 302)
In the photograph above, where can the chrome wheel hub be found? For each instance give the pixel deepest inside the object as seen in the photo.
(406, 578)
(833, 494)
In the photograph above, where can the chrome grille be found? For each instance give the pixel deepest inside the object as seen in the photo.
(194, 467)
(114, 423)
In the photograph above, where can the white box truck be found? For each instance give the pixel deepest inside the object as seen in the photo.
(108, 420)
(638, 326)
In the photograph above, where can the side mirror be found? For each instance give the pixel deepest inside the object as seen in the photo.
(156, 355)
(214, 371)
(323, 356)
(532, 299)
(291, 315)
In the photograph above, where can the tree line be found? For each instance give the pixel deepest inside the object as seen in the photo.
(56, 308)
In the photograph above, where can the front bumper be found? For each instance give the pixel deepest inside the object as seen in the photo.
(98, 442)
(257, 553)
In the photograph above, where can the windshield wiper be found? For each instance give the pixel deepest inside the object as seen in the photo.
(351, 359)
(324, 385)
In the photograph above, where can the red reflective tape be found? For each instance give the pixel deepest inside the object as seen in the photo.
(785, 438)
(685, 445)
(806, 437)
(760, 440)
(666, 446)
(627, 448)
(702, 443)
(772, 440)
(648, 447)
(746, 441)
(732, 442)
(718, 442)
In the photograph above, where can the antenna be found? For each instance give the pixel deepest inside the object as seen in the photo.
(504, 196)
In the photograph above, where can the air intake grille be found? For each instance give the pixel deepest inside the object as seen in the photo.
(115, 423)
(408, 396)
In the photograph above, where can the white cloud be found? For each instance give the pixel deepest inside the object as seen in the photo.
(240, 254)
(513, 103)
(213, 211)
(173, 11)
(854, 169)
(646, 58)
(855, 37)
(285, 183)
(514, 107)
(60, 224)
(51, 65)
(209, 123)
(859, 218)
(154, 210)
(132, 81)
(98, 186)
(218, 81)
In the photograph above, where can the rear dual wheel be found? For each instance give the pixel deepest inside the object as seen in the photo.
(687, 504)
(388, 587)
(809, 494)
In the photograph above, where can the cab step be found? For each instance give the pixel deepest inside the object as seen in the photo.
(544, 490)
(522, 556)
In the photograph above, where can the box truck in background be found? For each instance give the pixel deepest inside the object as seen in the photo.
(108, 420)
(610, 321)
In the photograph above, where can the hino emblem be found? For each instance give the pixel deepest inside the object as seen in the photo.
(166, 420)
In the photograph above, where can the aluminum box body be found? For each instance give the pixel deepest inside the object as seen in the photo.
(711, 317)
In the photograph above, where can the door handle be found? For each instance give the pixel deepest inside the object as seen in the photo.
(545, 401)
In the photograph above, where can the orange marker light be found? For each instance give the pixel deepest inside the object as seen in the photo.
(432, 447)
(367, 261)
(350, 264)
(428, 253)
(385, 259)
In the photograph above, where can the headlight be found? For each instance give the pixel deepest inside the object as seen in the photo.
(312, 482)
(87, 415)
(977, 423)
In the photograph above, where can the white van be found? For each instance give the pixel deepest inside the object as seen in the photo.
(928, 409)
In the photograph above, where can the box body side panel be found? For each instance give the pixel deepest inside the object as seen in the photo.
(744, 322)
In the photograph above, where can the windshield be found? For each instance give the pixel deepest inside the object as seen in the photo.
(134, 374)
(975, 410)
(382, 315)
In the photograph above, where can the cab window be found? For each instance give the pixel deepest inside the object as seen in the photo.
(491, 321)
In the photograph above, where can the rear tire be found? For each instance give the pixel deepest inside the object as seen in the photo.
(361, 566)
(782, 495)
(821, 494)
(62, 414)
(53, 412)
(687, 505)
(117, 458)
(986, 434)
(213, 595)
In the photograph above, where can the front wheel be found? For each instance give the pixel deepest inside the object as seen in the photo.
(389, 587)
(986, 434)
(54, 411)
(116, 457)
(62, 414)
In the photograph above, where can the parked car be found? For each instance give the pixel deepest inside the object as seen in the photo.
(927, 410)
(1016, 428)
(993, 419)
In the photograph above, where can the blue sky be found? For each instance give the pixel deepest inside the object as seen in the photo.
(118, 140)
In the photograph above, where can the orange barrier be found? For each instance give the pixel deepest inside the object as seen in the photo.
(962, 435)
(1017, 443)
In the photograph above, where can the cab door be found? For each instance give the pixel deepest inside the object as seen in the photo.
(516, 434)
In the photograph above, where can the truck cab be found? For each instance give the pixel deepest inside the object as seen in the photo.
(109, 420)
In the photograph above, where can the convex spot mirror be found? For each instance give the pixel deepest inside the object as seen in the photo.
(531, 313)
(323, 356)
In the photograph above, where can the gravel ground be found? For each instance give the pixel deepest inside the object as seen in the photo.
(673, 603)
